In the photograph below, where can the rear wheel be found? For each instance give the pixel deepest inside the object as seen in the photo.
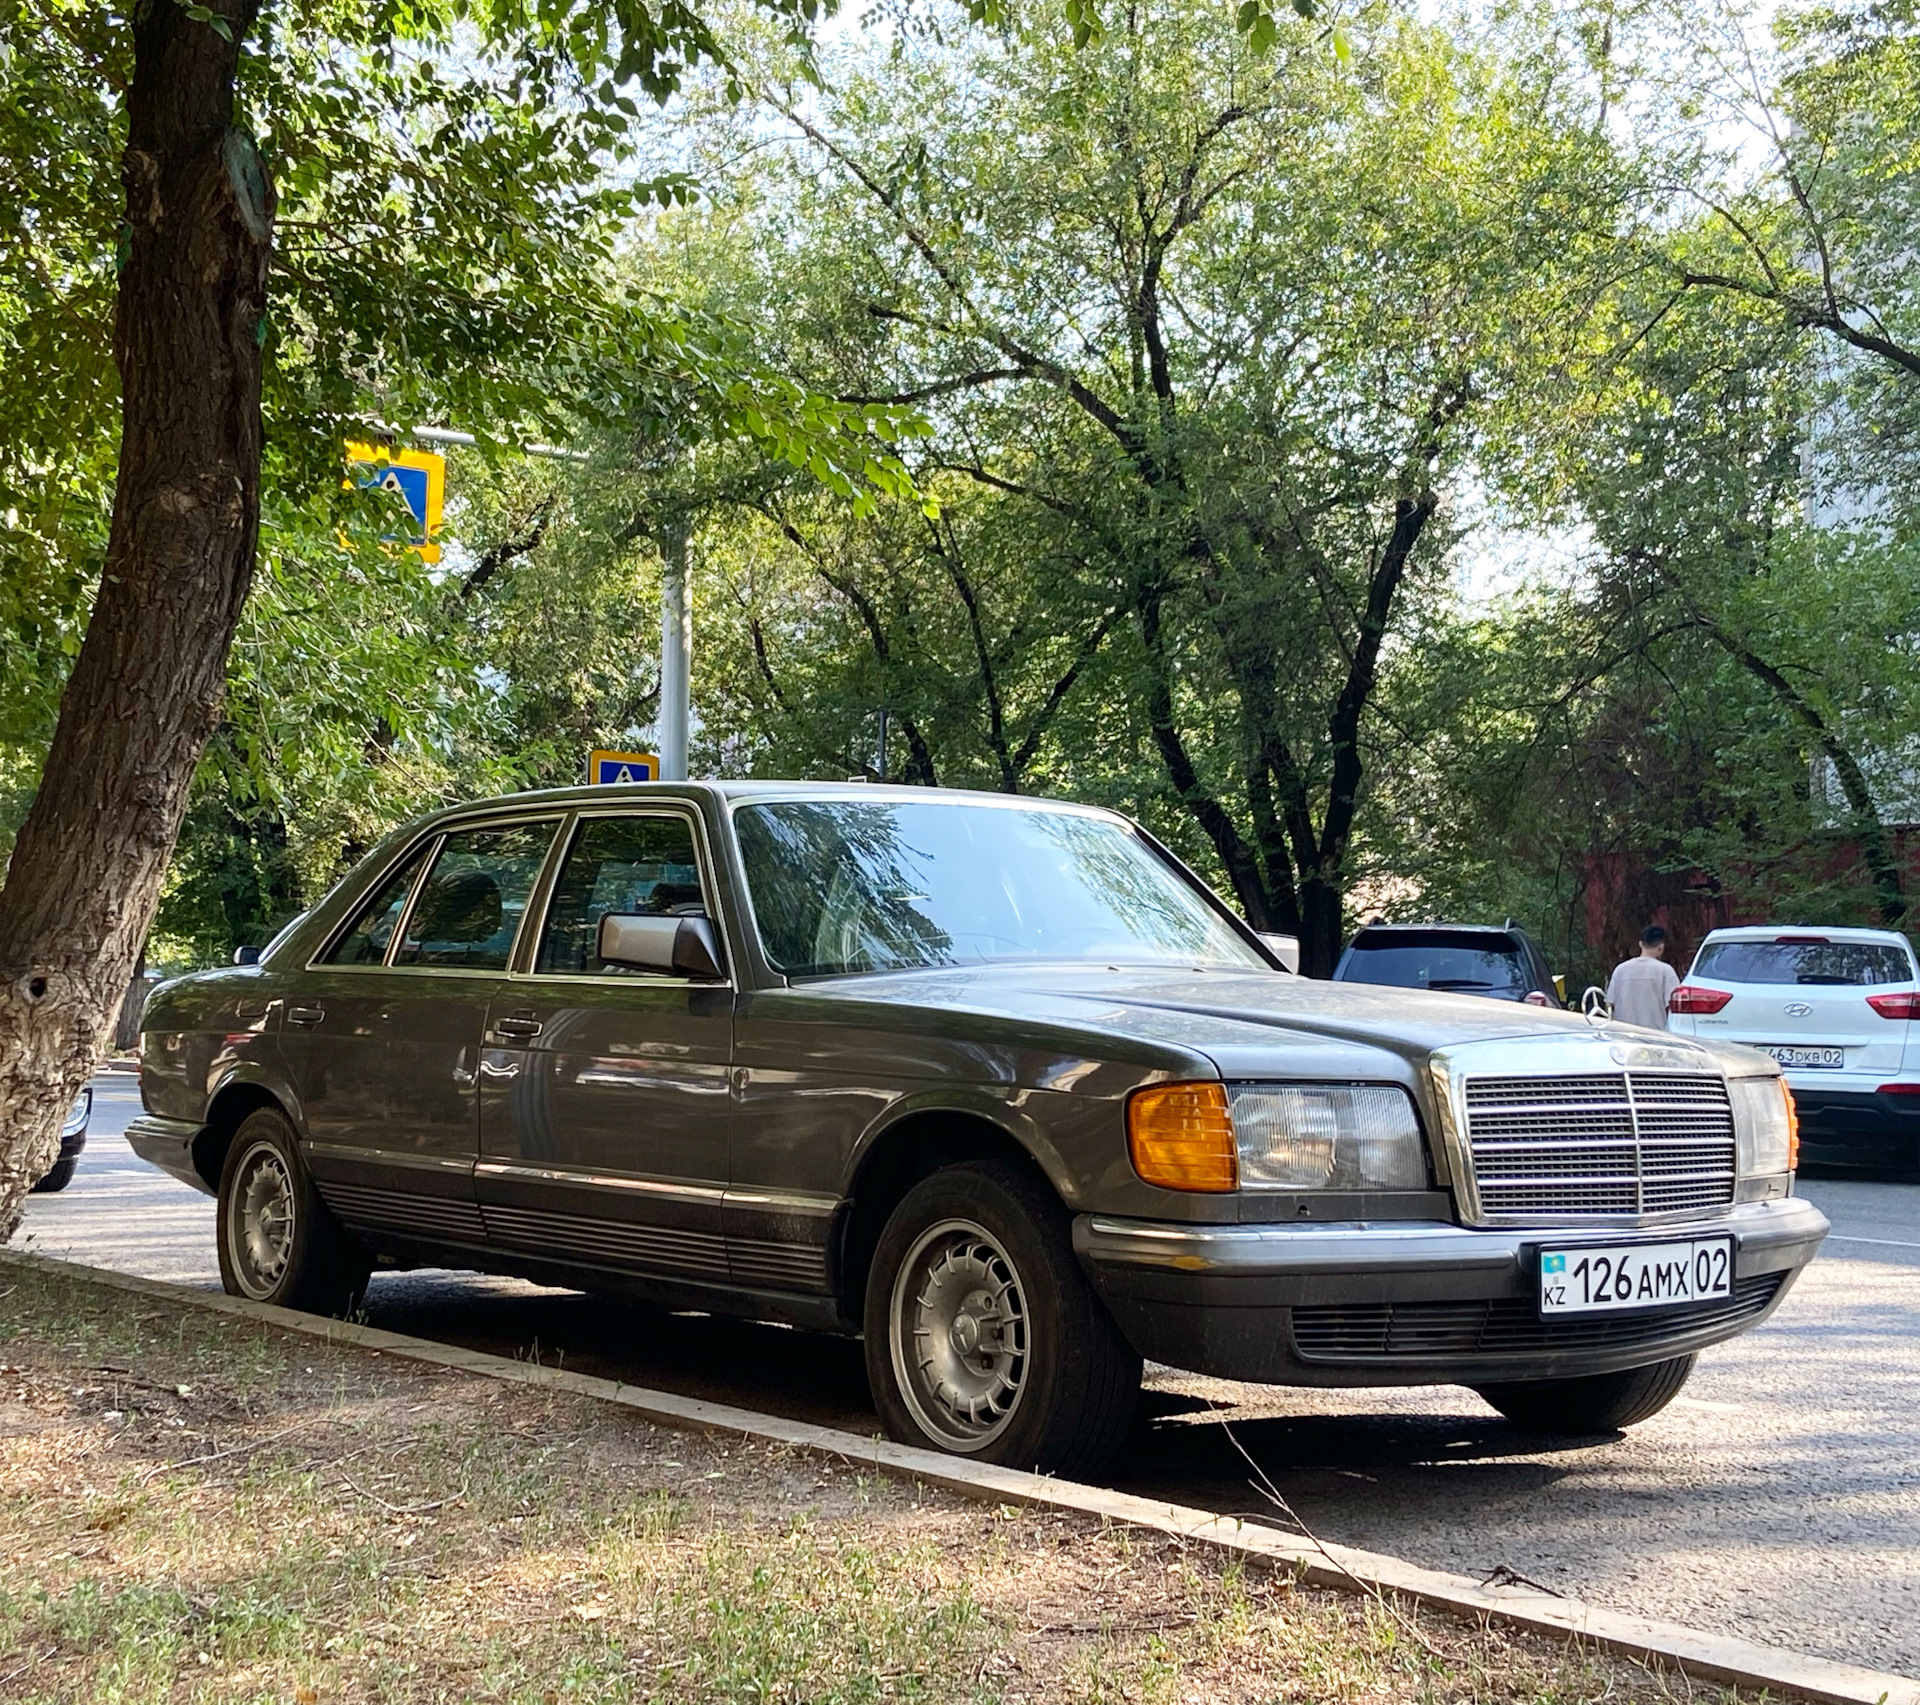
(983, 1336)
(278, 1241)
(58, 1176)
(1592, 1403)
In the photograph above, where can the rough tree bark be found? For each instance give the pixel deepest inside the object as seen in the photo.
(145, 693)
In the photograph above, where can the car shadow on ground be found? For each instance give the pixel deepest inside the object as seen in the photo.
(1213, 1456)
(1183, 1444)
(802, 1375)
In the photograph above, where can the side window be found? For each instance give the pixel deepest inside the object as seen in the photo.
(471, 903)
(365, 943)
(617, 864)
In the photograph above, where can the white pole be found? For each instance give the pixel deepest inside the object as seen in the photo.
(676, 652)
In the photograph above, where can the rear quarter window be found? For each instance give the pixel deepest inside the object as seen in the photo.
(1842, 963)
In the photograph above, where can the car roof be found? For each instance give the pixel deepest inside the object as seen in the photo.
(1773, 932)
(731, 791)
(1428, 929)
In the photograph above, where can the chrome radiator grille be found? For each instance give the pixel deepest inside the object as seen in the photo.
(1607, 1145)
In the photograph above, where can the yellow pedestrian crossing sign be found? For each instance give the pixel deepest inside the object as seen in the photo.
(417, 477)
(610, 769)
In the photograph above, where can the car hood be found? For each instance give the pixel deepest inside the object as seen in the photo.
(1243, 1022)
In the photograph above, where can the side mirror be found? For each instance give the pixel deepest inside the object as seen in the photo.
(1285, 948)
(246, 956)
(673, 947)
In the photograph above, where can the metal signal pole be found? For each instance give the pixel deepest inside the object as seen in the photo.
(676, 651)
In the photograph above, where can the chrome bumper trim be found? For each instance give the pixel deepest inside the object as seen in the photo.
(1252, 1251)
(150, 1128)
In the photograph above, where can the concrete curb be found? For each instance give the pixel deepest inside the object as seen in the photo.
(1693, 1651)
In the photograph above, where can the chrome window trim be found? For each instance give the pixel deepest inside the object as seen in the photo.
(430, 841)
(524, 967)
(477, 825)
(733, 804)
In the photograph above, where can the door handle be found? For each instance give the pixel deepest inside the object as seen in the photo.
(517, 1029)
(305, 1014)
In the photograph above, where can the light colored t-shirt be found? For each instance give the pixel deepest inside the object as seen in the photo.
(1638, 989)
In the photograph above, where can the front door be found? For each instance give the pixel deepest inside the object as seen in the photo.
(385, 1039)
(605, 1105)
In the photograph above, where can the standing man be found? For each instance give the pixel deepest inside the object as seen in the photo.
(1638, 989)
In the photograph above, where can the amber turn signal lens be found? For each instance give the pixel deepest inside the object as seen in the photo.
(1181, 1137)
(1793, 1127)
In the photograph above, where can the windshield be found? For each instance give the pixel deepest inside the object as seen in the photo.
(840, 887)
(1468, 964)
(1848, 963)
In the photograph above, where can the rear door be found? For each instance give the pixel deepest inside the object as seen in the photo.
(1807, 998)
(384, 1038)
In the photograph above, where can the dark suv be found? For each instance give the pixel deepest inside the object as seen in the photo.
(1458, 959)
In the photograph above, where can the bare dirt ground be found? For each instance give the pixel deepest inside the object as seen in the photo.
(194, 1509)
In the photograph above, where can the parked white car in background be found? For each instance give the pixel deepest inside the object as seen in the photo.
(1836, 1008)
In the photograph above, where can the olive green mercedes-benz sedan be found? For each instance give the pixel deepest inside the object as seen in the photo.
(998, 1083)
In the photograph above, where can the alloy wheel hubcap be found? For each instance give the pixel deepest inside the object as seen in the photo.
(260, 1221)
(958, 1331)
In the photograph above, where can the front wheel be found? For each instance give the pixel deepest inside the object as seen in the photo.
(983, 1336)
(278, 1241)
(1591, 1403)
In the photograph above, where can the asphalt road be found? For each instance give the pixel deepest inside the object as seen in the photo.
(1779, 1498)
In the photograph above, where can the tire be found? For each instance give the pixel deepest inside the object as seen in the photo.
(278, 1241)
(1593, 1403)
(59, 1175)
(1049, 1383)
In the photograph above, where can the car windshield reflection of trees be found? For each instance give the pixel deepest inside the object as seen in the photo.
(916, 886)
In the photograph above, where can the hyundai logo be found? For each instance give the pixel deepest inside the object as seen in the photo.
(1796, 1009)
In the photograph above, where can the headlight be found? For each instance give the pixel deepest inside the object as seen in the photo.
(1327, 1136)
(1766, 1128)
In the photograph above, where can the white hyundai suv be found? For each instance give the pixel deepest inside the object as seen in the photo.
(1836, 1008)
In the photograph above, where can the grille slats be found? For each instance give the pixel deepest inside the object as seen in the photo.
(1601, 1145)
(1414, 1331)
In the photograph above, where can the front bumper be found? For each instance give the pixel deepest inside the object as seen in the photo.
(73, 1134)
(1410, 1304)
(168, 1144)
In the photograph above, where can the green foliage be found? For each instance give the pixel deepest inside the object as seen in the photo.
(1065, 395)
(1199, 330)
(458, 184)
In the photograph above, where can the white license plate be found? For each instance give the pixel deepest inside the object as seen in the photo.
(1795, 1054)
(1635, 1275)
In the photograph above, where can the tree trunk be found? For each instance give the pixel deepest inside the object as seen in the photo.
(146, 690)
(126, 1028)
(1876, 846)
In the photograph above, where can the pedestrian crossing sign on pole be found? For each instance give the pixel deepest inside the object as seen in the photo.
(611, 769)
(417, 477)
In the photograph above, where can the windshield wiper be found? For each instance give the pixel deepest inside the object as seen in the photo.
(1460, 983)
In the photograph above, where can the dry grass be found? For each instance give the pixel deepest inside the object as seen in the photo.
(195, 1509)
